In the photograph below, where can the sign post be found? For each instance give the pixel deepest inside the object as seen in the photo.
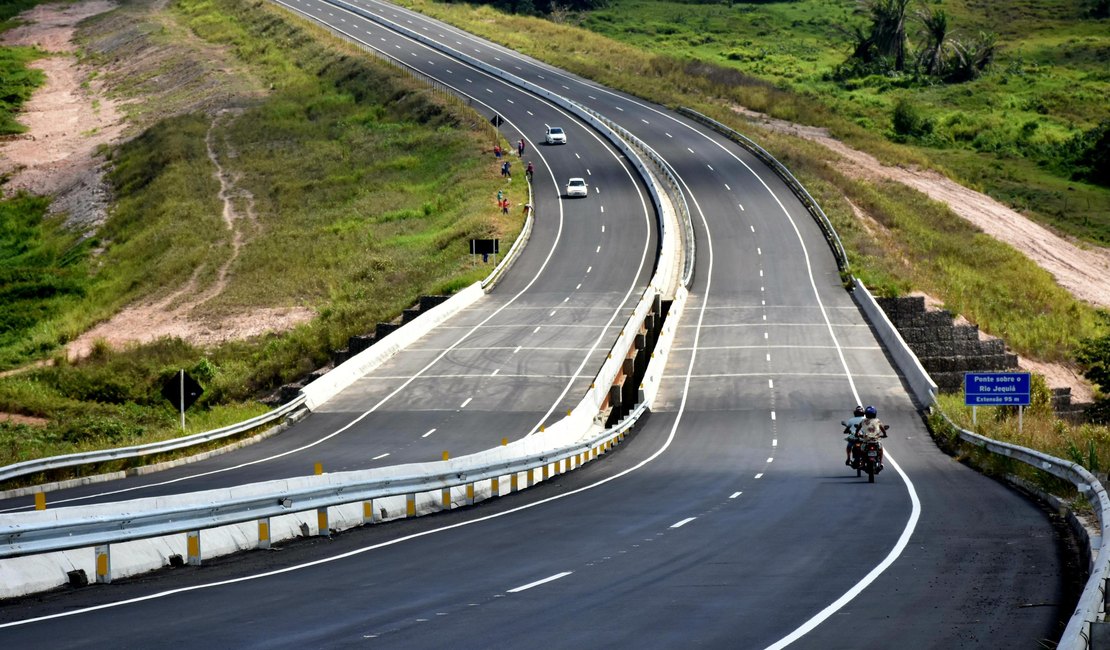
(182, 391)
(997, 389)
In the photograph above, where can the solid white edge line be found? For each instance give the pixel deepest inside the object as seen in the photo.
(537, 583)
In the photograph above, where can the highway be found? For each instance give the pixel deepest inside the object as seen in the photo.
(728, 520)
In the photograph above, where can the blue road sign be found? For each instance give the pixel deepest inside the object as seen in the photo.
(996, 389)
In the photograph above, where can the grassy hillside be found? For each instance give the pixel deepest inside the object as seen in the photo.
(362, 187)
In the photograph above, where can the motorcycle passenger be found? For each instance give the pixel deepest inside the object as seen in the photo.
(871, 429)
(849, 432)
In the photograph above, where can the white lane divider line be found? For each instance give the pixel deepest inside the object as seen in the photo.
(537, 583)
(537, 329)
(668, 135)
(588, 172)
(680, 524)
(531, 113)
(494, 373)
(603, 225)
(510, 101)
(567, 299)
(734, 495)
(463, 405)
(771, 459)
(589, 268)
(598, 250)
(770, 383)
(517, 349)
(380, 456)
(578, 287)
(766, 335)
(577, 156)
(619, 108)
(768, 356)
(689, 149)
(774, 442)
(758, 250)
(430, 432)
(709, 166)
(727, 187)
(551, 314)
(644, 121)
(759, 475)
(592, 97)
(761, 273)
(603, 211)
(772, 416)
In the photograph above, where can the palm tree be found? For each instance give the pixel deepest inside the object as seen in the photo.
(931, 59)
(972, 57)
(888, 29)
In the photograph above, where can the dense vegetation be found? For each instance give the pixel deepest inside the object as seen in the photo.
(366, 188)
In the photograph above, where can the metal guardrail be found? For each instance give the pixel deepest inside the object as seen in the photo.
(795, 186)
(1091, 605)
(132, 522)
(102, 456)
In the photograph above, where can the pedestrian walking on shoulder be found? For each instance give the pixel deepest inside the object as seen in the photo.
(527, 210)
(497, 151)
(520, 148)
(505, 207)
(506, 170)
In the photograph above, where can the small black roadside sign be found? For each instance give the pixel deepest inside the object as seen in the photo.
(171, 390)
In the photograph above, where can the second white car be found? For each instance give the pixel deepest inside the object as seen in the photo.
(577, 187)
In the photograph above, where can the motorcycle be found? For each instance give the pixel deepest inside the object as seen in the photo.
(865, 458)
(866, 455)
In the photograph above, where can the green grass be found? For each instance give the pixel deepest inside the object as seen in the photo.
(366, 186)
(17, 82)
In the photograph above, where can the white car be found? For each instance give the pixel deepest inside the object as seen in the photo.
(577, 187)
(555, 135)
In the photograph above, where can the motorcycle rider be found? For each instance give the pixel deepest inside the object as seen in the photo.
(849, 431)
(871, 429)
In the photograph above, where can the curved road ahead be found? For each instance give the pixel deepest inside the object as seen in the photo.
(727, 520)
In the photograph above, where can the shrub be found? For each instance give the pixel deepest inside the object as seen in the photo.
(908, 122)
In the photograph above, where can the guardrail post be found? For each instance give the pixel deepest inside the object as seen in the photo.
(368, 511)
(192, 547)
(323, 529)
(445, 498)
(103, 555)
(318, 469)
(410, 505)
(469, 494)
(513, 481)
(40, 501)
(531, 477)
(264, 532)
(546, 471)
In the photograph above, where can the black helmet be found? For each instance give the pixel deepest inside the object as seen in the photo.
(870, 412)
(858, 412)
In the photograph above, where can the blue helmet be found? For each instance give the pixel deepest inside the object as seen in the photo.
(870, 412)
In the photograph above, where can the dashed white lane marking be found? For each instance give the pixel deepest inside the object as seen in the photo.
(494, 373)
(727, 187)
(463, 405)
(771, 459)
(430, 432)
(770, 383)
(578, 287)
(468, 80)
(758, 250)
(772, 416)
(589, 268)
(510, 101)
(539, 582)
(603, 210)
(591, 97)
(619, 108)
(689, 149)
(380, 456)
(537, 329)
(588, 172)
(531, 113)
(734, 495)
(565, 87)
(541, 76)
(551, 314)
(577, 156)
(768, 356)
(567, 299)
(598, 250)
(774, 442)
(668, 135)
(766, 335)
(709, 166)
(516, 350)
(603, 225)
(742, 209)
(761, 273)
(759, 475)
(680, 524)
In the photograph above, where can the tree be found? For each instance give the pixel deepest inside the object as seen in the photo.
(972, 57)
(931, 58)
(888, 29)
